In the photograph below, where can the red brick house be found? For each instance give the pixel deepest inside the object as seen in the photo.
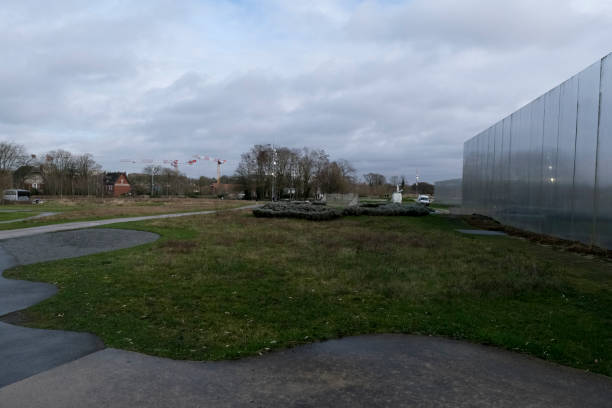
(116, 184)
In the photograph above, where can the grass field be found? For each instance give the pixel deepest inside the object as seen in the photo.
(94, 209)
(231, 285)
(8, 216)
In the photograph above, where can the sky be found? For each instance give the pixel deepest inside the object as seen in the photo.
(391, 86)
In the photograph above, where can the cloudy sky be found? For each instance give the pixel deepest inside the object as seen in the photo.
(389, 85)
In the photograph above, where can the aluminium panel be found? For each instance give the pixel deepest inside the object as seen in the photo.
(603, 203)
(534, 215)
(519, 204)
(497, 177)
(481, 194)
(468, 174)
(586, 152)
(505, 171)
(566, 154)
(549, 206)
(489, 169)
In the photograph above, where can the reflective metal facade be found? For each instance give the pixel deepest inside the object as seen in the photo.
(546, 167)
(448, 192)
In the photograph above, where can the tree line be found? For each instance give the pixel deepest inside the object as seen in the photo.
(267, 172)
(264, 172)
(64, 173)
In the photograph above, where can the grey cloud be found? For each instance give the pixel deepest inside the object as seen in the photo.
(489, 24)
(390, 86)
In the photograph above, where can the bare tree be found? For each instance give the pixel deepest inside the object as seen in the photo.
(374, 179)
(85, 168)
(307, 171)
(153, 170)
(12, 156)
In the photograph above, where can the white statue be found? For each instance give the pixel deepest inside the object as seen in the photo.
(396, 197)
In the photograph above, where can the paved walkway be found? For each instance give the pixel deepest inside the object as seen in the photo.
(366, 371)
(24, 232)
(24, 351)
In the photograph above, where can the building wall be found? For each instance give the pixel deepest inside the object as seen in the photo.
(448, 192)
(545, 168)
(121, 186)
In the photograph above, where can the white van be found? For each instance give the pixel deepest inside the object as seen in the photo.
(16, 195)
(423, 199)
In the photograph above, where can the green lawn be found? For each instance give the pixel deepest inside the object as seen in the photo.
(8, 216)
(230, 285)
(83, 209)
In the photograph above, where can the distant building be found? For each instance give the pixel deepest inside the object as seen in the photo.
(116, 184)
(34, 181)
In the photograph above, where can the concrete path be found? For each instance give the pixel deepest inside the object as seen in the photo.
(24, 351)
(366, 371)
(24, 232)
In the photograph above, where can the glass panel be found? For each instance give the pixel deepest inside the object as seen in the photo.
(468, 175)
(586, 148)
(520, 169)
(603, 224)
(549, 158)
(481, 195)
(490, 136)
(496, 187)
(505, 186)
(534, 162)
(566, 153)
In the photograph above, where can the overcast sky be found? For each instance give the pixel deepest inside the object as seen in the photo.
(391, 86)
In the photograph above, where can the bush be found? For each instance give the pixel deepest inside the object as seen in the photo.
(318, 212)
(303, 210)
(412, 210)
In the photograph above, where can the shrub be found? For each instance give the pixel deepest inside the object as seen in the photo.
(318, 212)
(392, 209)
(303, 210)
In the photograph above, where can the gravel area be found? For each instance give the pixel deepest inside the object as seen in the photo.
(72, 244)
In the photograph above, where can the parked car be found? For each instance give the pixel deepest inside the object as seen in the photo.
(16, 195)
(423, 199)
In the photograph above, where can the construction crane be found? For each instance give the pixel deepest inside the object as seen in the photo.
(175, 163)
(219, 163)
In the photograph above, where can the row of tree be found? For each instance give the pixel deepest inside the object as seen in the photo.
(264, 172)
(267, 172)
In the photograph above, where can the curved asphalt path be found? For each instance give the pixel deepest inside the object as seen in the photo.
(363, 371)
(24, 351)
